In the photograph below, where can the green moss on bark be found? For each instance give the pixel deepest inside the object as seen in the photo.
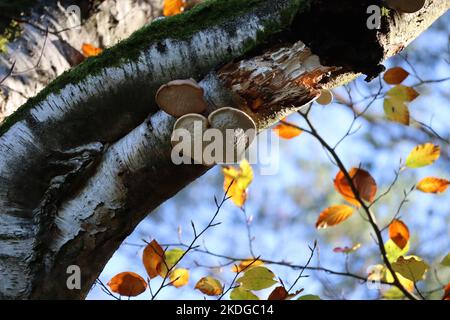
(180, 27)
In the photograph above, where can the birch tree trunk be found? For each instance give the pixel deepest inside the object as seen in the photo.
(84, 161)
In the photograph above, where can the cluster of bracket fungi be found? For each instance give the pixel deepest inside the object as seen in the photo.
(184, 99)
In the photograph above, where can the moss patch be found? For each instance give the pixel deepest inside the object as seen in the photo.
(209, 13)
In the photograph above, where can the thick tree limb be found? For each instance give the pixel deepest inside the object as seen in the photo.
(83, 162)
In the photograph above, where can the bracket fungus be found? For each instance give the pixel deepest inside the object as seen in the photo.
(181, 97)
(405, 6)
(238, 130)
(326, 97)
(187, 136)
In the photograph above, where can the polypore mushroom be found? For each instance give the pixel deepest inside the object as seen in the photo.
(238, 132)
(406, 6)
(325, 98)
(181, 97)
(187, 136)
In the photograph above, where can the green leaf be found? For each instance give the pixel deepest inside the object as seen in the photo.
(411, 268)
(446, 261)
(257, 278)
(173, 256)
(240, 293)
(393, 252)
(309, 297)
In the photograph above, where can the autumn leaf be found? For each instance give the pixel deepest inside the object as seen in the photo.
(171, 258)
(423, 155)
(433, 185)
(446, 292)
(128, 284)
(446, 261)
(90, 51)
(393, 251)
(362, 180)
(347, 250)
(280, 293)
(179, 277)
(406, 283)
(153, 259)
(237, 182)
(287, 130)
(399, 233)
(247, 264)
(240, 293)
(209, 286)
(396, 111)
(173, 7)
(395, 75)
(411, 268)
(257, 278)
(333, 216)
(307, 297)
(395, 103)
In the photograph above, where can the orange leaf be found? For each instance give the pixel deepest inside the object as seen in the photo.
(433, 185)
(333, 216)
(247, 264)
(446, 292)
(153, 259)
(209, 286)
(363, 182)
(399, 233)
(179, 277)
(128, 284)
(287, 130)
(395, 75)
(280, 293)
(173, 7)
(90, 51)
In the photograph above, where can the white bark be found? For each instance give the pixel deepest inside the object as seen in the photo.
(85, 164)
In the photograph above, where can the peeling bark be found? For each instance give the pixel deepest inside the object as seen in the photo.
(86, 160)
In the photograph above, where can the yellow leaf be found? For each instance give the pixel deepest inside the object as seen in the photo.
(209, 286)
(173, 7)
(179, 277)
(395, 75)
(90, 51)
(127, 284)
(364, 183)
(237, 182)
(333, 216)
(406, 283)
(395, 103)
(423, 155)
(396, 111)
(399, 233)
(433, 185)
(153, 259)
(287, 130)
(247, 264)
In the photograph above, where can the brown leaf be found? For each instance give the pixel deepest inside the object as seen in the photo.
(153, 259)
(399, 233)
(395, 75)
(209, 286)
(364, 183)
(280, 293)
(128, 284)
(446, 292)
(333, 216)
